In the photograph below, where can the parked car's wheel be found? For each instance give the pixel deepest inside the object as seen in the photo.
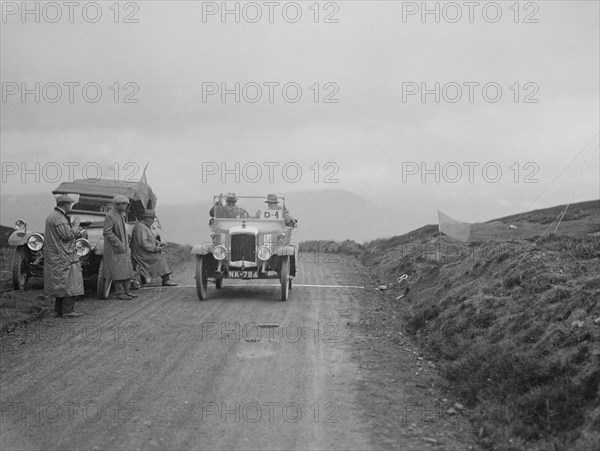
(284, 276)
(19, 268)
(219, 283)
(201, 278)
(103, 285)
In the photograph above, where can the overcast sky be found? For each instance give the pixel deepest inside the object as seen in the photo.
(370, 131)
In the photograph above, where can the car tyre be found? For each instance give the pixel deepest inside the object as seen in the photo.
(19, 271)
(103, 285)
(201, 278)
(284, 276)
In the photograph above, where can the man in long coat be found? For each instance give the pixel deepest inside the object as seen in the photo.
(62, 271)
(117, 259)
(146, 252)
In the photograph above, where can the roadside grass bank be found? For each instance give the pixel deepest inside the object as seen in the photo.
(513, 326)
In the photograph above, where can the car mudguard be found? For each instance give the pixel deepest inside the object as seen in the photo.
(203, 249)
(19, 237)
(288, 250)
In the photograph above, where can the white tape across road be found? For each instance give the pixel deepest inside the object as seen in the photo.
(266, 285)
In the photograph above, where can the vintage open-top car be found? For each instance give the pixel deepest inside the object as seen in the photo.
(93, 203)
(249, 241)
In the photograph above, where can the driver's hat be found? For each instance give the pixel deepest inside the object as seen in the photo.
(120, 199)
(64, 199)
(231, 197)
(272, 198)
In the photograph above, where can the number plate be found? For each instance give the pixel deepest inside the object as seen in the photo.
(243, 274)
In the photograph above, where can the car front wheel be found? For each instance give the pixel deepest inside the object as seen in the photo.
(284, 278)
(201, 278)
(19, 269)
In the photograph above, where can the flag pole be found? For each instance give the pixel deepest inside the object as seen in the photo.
(438, 252)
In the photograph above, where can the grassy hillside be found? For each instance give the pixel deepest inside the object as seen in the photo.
(513, 326)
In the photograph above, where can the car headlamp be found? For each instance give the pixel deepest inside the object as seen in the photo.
(264, 253)
(20, 224)
(35, 242)
(219, 252)
(82, 246)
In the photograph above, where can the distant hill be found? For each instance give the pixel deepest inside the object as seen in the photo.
(329, 214)
(323, 214)
(547, 215)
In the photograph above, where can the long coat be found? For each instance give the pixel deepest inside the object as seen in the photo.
(62, 270)
(117, 260)
(146, 253)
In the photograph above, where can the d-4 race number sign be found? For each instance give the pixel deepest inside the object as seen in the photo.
(272, 214)
(243, 274)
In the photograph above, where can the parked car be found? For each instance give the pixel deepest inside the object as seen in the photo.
(256, 244)
(93, 203)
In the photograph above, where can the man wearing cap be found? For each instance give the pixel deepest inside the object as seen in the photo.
(229, 210)
(117, 259)
(62, 271)
(273, 204)
(146, 252)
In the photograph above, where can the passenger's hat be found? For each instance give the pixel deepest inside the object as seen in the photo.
(231, 197)
(120, 199)
(272, 198)
(149, 214)
(64, 199)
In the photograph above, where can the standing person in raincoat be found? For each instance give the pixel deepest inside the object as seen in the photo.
(117, 260)
(62, 271)
(147, 253)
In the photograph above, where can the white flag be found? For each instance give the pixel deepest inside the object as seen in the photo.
(454, 229)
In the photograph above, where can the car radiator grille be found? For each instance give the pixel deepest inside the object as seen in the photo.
(243, 247)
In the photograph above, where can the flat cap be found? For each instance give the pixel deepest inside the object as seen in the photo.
(120, 199)
(64, 199)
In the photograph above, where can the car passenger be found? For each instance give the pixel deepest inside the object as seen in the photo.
(229, 210)
(273, 204)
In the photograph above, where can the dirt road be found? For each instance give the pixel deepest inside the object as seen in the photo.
(241, 370)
